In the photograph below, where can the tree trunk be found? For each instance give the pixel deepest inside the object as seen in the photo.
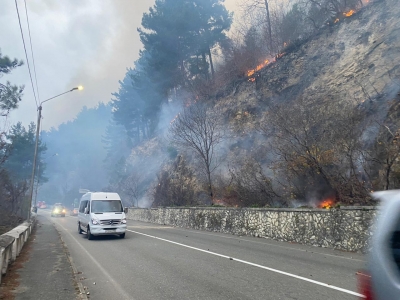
(211, 63)
(388, 169)
(209, 181)
(269, 26)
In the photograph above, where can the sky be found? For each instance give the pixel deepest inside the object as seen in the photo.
(89, 43)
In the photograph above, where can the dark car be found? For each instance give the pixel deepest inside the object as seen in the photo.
(58, 210)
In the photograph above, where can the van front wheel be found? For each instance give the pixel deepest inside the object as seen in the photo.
(89, 234)
(79, 228)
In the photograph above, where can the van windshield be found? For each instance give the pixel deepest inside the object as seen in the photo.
(100, 206)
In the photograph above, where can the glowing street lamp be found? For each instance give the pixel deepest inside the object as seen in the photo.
(79, 88)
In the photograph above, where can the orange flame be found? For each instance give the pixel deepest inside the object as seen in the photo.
(337, 20)
(258, 68)
(349, 13)
(326, 204)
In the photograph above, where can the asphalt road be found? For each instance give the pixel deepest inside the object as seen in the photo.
(161, 262)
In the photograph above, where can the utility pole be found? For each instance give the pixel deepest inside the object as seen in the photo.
(36, 146)
(34, 160)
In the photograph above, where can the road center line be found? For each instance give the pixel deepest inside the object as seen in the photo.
(254, 265)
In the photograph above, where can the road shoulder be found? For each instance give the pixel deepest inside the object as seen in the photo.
(43, 269)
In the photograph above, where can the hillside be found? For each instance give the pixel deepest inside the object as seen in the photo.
(353, 60)
(318, 125)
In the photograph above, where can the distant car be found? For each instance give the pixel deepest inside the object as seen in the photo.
(74, 212)
(381, 281)
(41, 204)
(58, 210)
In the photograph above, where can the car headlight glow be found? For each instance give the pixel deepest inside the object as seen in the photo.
(56, 211)
(123, 221)
(95, 222)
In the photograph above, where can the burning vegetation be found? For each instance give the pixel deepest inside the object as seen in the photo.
(326, 204)
(251, 72)
(349, 13)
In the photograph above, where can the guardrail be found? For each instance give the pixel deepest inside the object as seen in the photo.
(11, 244)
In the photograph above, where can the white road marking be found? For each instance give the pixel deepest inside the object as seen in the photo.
(249, 241)
(255, 265)
(153, 227)
(124, 294)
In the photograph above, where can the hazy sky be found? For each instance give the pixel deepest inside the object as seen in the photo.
(75, 42)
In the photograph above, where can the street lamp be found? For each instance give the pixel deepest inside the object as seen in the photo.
(36, 145)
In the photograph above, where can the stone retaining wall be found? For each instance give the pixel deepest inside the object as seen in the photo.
(345, 229)
(11, 244)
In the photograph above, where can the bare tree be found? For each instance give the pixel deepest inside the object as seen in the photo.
(250, 5)
(384, 156)
(252, 186)
(132, 187)
(176, 185)
(199, 129)
(319, 148)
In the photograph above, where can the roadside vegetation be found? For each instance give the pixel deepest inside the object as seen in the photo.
(16, 152)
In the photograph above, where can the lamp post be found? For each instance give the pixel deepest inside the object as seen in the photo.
(36, 145)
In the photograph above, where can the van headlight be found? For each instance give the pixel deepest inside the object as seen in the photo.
(95, 222)
(123, 221)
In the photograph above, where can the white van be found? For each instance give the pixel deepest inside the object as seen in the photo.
(101, 214)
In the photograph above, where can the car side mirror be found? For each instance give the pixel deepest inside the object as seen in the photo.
(86, 210)
(125, 210)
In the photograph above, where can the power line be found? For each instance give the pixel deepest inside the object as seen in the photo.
(33, 57)
(26, 55)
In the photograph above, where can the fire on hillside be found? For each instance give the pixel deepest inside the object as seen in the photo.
(327, 203)
(258, 68)
(251, 72)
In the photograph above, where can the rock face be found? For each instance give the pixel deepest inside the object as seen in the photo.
(344, 229)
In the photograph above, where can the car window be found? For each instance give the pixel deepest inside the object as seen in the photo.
(82, 206)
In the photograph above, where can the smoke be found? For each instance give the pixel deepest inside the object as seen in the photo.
(75, 156)
(86, 43)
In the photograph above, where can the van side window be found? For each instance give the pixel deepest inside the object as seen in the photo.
(88, 206)
(82, 206)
